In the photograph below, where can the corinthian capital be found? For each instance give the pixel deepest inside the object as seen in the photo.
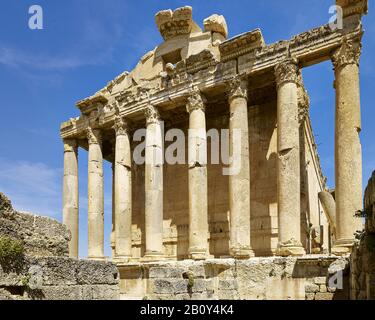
(195, 101)
(287, 71)
(70, 145)
(348, 53)
(120, 126)
(237, 88)
(94, 136)
(152, 114)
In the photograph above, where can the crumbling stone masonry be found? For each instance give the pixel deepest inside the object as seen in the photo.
(43, 270)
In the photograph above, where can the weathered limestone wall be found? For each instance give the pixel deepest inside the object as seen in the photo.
(43, 270)
(59, 278)
(313, 216)
(263, 177)
(362, 262)
(256, 278)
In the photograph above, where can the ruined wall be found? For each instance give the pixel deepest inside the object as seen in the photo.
(362, 264)
(42, 269)
(271, 278)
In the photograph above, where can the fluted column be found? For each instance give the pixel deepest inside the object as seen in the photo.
(70, 194)
(348, 152)
(198, 207)
(153, 185)
(95, 196)
(288, 168)
(239, 178)
(123, 192)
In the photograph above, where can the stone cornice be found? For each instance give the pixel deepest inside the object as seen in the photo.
(241, 44)
(351, 7)
(310, 47)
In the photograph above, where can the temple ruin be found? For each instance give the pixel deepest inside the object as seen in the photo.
(277, 204)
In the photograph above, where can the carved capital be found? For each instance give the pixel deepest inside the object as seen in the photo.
(237, 88)
(348, 53)
(120, 126)
(152, 114)
(195, 101)
(94, 136)
(287, 71)
(70, 145)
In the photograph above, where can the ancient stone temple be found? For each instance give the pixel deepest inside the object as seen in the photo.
(192, 212)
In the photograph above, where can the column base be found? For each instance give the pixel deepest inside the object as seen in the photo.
(343, 247)
(97, 258)
(290, 248)
(198, 254)
(152, 257)
(242, 253)
(121, 259)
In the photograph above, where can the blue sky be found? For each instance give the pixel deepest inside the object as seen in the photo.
(86, 43)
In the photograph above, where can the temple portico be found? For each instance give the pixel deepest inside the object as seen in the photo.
(198, 80)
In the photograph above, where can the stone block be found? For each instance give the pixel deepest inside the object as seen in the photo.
(323, 296)
(311, 288)
(323, 288)
(165, 272)
(96, 272)
(164, 286)
(228, 284)
(310, 296)
(320, 280)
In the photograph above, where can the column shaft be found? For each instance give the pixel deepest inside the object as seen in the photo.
(198, 207)
(70, 194)
(123, 192)
(95, 196)
(239, 178)
(288, 191)
(154, 185)
(348, 152)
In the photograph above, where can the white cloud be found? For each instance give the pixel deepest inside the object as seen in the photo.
(32, 187)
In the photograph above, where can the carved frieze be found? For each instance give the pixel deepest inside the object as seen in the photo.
(242, 44)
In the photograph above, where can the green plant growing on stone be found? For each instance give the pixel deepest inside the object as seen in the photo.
(10, 250)
(190, 277)
(25, 280)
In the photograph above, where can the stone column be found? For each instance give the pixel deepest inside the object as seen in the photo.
(153, 185)
(198, 207)
(239, 177)
(112, 237)
(70, 194)
(288, 184)
(95, 196)
(123, 192)
(348, 152)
